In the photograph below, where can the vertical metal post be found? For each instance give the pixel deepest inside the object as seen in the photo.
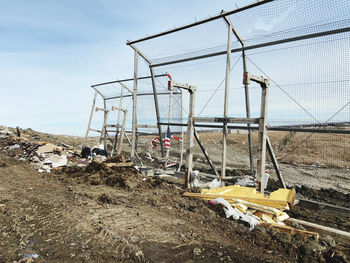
(190, 135)
(182, 132)
(90, 118)
(247, 104)
(260, 177)
(227, 86)
(157, 111)
(170, 113)
(122, 132)
(118, 119)
(247, 107)
(134, 103)
(104, 128)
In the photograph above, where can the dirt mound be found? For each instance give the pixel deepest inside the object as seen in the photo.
(325, 195)
(127, 177)
(98, 173)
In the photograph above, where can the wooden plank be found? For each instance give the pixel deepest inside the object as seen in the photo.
(121, 164)
(260, 176)
(291, 230)
(337, 235)
(267, 202)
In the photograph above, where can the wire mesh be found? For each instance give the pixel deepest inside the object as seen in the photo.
(303, 47)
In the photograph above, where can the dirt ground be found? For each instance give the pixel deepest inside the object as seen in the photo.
(300, 165)
(100, 214)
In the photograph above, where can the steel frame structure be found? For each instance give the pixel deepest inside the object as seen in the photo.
(117, 142)
(228, 52)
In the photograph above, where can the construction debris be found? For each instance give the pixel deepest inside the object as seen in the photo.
(246, 204)
(280, 199)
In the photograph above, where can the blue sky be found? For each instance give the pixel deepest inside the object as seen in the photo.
(52, 51)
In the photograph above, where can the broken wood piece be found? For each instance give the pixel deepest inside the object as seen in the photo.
(282, 217)
(268, 219)
(267, 209)
(336, 234)
(122, 164)
(284, 194)
(291, 230)
(241, 207)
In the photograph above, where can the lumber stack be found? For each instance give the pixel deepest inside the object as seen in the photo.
(268, 210)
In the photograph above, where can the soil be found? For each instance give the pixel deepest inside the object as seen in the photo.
(102, 214)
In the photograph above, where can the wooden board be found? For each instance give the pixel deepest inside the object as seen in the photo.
(337, 235)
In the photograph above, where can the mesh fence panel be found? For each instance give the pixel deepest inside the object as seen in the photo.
(310, 77)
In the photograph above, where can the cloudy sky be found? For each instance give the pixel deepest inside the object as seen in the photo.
(52, 51)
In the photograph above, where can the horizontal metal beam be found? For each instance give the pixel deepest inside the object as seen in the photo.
(227, 120)
(272, 43)
(221, 15)
(95, 130)
(333, 131)
(142, 94)
(147, 126)
(131, 79)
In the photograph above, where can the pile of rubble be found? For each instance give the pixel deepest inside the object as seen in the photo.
(246, 204)
(43, 156)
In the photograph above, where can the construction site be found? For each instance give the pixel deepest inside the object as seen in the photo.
(229, 142)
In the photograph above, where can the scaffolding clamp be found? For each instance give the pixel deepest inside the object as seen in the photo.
(247, 77)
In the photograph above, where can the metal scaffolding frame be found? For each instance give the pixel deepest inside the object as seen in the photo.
(264, 142)
(118, 128)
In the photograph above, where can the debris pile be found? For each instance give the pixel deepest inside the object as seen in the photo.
(115, 172)
(246, 204)
(43, 156)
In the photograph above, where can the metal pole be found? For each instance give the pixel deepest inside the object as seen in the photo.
(134, 103)
(122, 132)
(182, 133)
(190, 134)
(246, 89)
(247, 108)
(274, 162)
(169, 116)
(118, 119)
(260, 177)
(157, 111)
(206, 154)
(227, 86)
(90, 118)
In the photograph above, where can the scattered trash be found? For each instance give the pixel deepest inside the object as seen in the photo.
(246, 181)
(215, 183)
(235, 213)
(85, 152)
(98, 151)
(149, 156)
(14, 147)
